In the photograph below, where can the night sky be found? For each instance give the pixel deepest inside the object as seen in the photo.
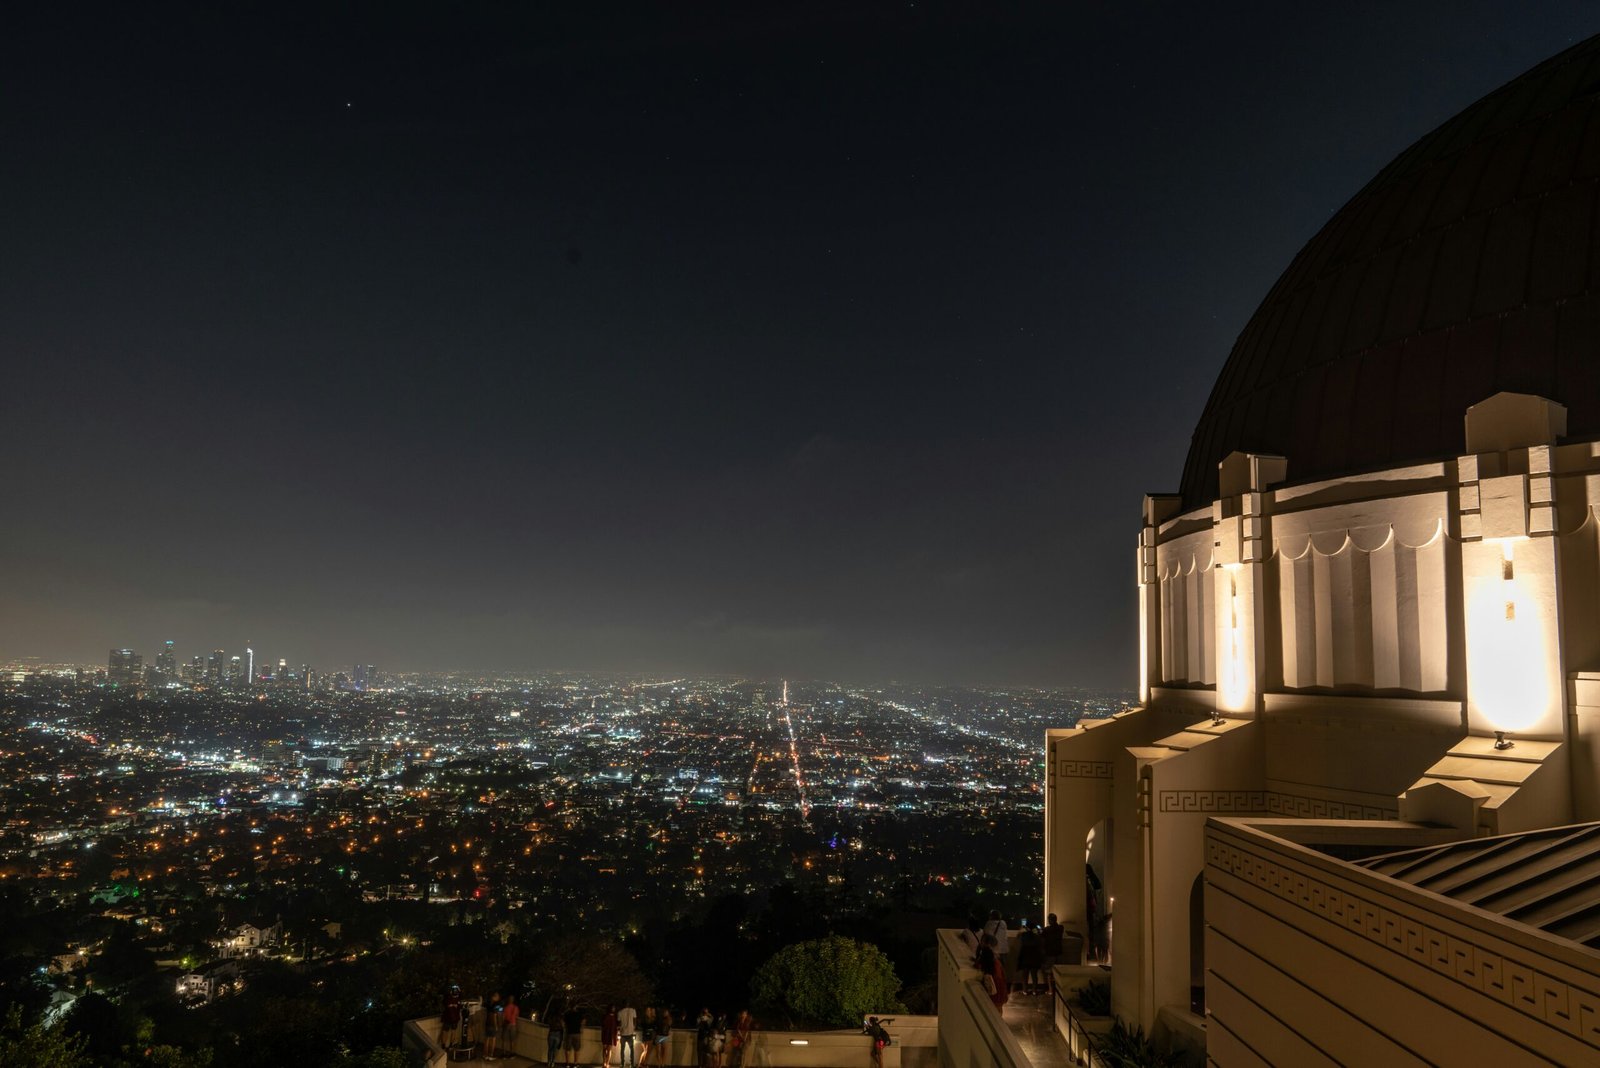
(785, 339)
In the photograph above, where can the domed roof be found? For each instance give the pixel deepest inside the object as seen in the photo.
(1466, 267)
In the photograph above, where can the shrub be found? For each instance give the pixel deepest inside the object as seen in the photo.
(828, 982)
(1095, 999)
(1130, 1048)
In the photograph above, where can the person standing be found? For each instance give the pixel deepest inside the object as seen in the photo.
(664, 1038)
(555, 1031)
(647, 1034)
(739, 1041)
(508, 1032)
(573, 1025)
(1050, 942)
(702, 1037)
(491, 1025)
(996, 929)
(1030, 959)
(1099, 917)
(627, 1026)
(450, 1018)
(719, 1039)
(993, 972)
(608, 1035)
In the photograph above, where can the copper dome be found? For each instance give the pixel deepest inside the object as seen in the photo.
(1466, 267)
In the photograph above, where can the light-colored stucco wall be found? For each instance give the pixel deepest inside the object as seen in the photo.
(1313, 961)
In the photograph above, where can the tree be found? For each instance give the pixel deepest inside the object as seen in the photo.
(170, 1057)
(588, 973)
(829, 982)
(382, 1057)
(123, 960)
(38, 1046)
(97, 1021)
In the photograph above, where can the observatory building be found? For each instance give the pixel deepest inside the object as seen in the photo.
(1345, 823)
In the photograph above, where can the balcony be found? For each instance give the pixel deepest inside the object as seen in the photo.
(1027, 1033)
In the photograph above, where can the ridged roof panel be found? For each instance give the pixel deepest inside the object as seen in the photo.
(1546, 879)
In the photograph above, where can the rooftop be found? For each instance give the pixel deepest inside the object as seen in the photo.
(1546, 879)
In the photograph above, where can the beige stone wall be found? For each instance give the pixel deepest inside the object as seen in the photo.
(1080, 786)
(1344, 757)
(915, 1041)
(1182, 789)
(971, 1032)
(1311, 961)
(1184, 568)
(1361, 596)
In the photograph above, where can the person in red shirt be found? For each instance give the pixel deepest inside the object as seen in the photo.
(608, 1035)
(739, 1041)
(513, 1013)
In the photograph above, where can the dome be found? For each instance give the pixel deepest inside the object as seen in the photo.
(1467, 267)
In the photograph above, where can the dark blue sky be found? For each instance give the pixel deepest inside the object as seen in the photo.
(784, 339)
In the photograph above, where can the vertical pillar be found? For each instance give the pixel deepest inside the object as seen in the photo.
(1511, 569)
(1240, 522)
(1157, 509)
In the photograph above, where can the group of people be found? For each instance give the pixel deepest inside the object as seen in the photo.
(1037, 951)
(496, 1019)
(636, 1039)
(716, 1040)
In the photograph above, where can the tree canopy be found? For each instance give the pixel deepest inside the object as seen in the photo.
(38, 1046)
(829, 982)
(587, 973)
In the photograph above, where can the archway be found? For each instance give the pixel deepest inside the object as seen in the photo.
(1097, 893)
(1197, 946)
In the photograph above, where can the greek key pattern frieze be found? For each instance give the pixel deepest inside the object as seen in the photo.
(1083, 769)
(1317, 808)
(1219, 801)
(1519, 984)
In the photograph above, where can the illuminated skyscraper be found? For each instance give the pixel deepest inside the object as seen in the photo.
(125, 668)
(250, 664)
(215, 666)
(167, 662)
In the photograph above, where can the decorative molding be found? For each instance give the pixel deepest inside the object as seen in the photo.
(1289, 806)
(1083, 769)
(1219, 801)
(1318, 808)
(1518, 984)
